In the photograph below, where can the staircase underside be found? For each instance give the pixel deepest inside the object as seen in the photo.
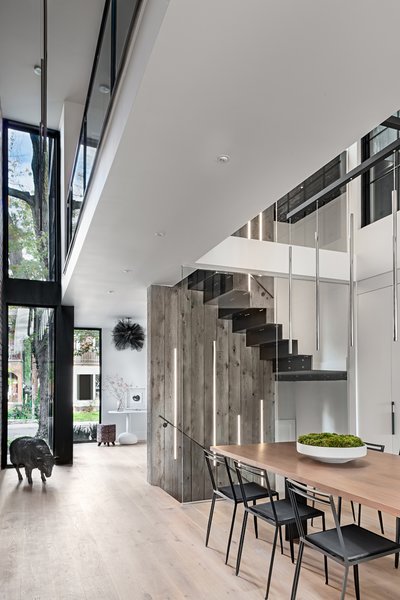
(235, 302)
(311, 376)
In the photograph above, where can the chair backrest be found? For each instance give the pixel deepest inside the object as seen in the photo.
(242, 470)
(375, 447)
(213, 462)
(317, 497)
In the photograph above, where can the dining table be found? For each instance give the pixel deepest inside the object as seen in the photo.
(373, 480)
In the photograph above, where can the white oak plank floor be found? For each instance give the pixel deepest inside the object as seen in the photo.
(98, 531)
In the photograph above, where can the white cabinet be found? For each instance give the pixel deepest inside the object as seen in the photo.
(378, 369)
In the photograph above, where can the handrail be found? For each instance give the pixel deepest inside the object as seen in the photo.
(363, 167)
(261, 286)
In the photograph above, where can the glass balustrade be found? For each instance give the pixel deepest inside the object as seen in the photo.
(118, 22)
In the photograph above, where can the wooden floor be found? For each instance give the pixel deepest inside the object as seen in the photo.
(98, 531)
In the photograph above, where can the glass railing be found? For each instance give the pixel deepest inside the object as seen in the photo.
(329, 216)
(118, 23)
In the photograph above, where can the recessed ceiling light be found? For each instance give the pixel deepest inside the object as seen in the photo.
(127, 270)
(160, 234)
(37, 69)
(110, 292)
(104, 88)
(224, 158)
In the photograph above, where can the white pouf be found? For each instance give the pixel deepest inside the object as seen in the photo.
(127, 438)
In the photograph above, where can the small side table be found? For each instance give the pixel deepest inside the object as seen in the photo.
(127, 437)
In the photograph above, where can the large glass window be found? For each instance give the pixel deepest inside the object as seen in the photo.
(379, 182)
(31, 215)
(30, 372)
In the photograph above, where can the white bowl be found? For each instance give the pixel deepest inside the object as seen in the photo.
(332, 455)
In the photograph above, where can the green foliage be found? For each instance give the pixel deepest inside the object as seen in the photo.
(27, 360)
(331, 440)
(27, 254)
(86, 416)
(86, 340)
(20, 413)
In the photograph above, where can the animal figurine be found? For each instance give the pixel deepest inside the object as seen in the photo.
(31, 453)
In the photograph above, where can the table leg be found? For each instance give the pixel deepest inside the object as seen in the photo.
(127, 438)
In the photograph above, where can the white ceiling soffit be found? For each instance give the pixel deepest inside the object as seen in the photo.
(73, 29)
(280, 87)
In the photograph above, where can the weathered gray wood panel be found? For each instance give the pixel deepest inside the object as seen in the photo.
(178, 318)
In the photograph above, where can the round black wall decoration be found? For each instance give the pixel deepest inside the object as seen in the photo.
(128, 335)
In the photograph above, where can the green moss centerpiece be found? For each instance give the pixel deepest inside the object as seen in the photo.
(331, 447)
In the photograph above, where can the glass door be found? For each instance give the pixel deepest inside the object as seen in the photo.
(30, 395)
(87, 384)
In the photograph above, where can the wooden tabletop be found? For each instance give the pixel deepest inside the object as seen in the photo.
(373, 481)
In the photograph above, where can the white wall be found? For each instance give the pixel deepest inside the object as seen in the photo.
(132, 367)
(271, 258)
(333, 320)
(316, 405)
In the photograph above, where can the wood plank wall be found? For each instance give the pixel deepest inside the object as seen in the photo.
(178, 318)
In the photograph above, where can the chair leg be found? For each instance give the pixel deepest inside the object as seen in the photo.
(381, 522)
(241, 542)
(280, 538)
(271, 564)
(297, 572)
(339, 508)
(346, 574)
(255, 522)
(291, 550)
(353, 510)
(210, 518)
(356, 582)
(359, 515)
(230, 534)
(396, 558)
(325, 557)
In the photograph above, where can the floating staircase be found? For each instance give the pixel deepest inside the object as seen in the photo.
(235, 302)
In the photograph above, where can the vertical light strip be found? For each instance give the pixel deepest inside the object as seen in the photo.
(248, 282)
(317, 295)
(239, 437)
(290, 350)
(214, 392)
(249, 230)
(276, 222)
(175, 403)
(351, 277)
(261, 421)
(260, 226)
(395, 299)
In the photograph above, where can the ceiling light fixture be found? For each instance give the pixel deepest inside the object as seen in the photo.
(110, 291)
(37, 69)
(104, 88)
(127, 270)
(224, 158)
(160, 234)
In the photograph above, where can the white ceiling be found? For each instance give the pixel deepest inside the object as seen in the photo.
(73, 27)
(280, 86)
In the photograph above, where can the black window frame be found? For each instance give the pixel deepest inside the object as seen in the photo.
(366, 178)
(56, 240)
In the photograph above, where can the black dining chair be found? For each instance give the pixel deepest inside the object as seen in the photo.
(348, 545)
(232, 492)
(375, 448)
(277, 513)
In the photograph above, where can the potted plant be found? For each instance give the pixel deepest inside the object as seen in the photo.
(331, 447)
